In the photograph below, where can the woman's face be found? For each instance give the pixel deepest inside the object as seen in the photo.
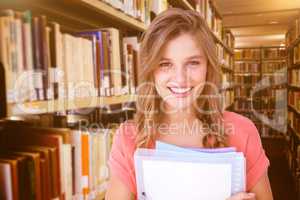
(181, 74)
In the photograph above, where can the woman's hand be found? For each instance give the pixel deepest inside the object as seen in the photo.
(242, 196)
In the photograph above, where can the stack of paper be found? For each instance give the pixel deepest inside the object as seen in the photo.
(172, 172)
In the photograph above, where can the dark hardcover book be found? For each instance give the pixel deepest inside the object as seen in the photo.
(3, 101)
(45, 55)
(37, 59)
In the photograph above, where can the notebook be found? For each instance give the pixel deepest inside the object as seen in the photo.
(172, 172)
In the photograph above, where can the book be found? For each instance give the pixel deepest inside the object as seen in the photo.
(70, 163)
(45, 62)
(194, 168)
(6, 191)
(14, 175)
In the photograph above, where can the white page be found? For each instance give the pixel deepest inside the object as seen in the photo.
(164, 180)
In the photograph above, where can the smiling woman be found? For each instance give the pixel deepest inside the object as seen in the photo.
(179, 85)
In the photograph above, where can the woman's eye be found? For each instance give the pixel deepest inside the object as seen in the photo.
(165, 65)
(194, 63)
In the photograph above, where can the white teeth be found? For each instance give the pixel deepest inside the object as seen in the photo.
(180, 90)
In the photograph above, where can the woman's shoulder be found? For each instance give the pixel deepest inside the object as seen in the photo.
(237, 119)
(240, 130)
(126, 133)
(239, 122)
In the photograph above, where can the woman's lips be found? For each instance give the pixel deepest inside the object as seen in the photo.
(180, 92)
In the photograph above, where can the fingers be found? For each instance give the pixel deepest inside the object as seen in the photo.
(242, 196)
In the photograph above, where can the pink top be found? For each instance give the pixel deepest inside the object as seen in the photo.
(244, 137)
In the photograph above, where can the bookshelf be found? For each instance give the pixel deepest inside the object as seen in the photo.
(293, 55)
(40, 107)
(113, 13)
(68, 19)
(260, 73)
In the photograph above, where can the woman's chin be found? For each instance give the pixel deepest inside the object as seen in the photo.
(175, 106)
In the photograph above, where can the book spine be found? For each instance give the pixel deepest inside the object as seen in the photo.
(38, 73)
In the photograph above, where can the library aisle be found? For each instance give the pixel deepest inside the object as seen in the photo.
(69, 76)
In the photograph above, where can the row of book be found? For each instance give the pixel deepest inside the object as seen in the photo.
(243, 91)
(272, 103)
(296, 52)
(270, 79)
(52, 163)
(244, 104)
(294, 121)
(260, 53)
(294, 165)
(254, 54)
(209, 12)
(145, 10)
(246, 80)
(269, 132)
(293, 155)
(271, 67)
(247, 67)
(271, 93)
(294, 99)
(139, 9)
(294, 77)
(254, 67)
(227, 80)
(41, 62)
(273, 53)
(224, 57)
(293, 33)
(294, 150)
(228, 38)
(228, 97)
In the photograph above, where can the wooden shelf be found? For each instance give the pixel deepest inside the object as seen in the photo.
(295, 42)
(113, 13)
(40, 107)
(292, 108)
(247, 98)
(273, 59)
(230, 87)
(294, 87)
(182, 4)
(76, 15)
(247, 74)
(240, 85)
(218, 40)
(248, 60)
(295, 66)
(294, 131)
(227, 69)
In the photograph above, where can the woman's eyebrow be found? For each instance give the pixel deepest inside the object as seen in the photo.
(163, 59)
(194, 57)
(190, 57)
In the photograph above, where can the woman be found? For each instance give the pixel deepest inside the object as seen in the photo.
(177, 97)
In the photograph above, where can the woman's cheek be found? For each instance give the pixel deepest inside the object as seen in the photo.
(198, 75)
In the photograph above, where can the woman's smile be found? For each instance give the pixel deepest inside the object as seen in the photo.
(180, 92)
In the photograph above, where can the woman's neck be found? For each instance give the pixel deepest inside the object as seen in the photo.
(182, 128)
(178, 116)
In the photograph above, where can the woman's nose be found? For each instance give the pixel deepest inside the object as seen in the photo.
(180, 75)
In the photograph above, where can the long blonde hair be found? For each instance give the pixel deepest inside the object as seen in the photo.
(165, 27)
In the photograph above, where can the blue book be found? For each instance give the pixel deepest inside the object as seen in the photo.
(165, 146)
